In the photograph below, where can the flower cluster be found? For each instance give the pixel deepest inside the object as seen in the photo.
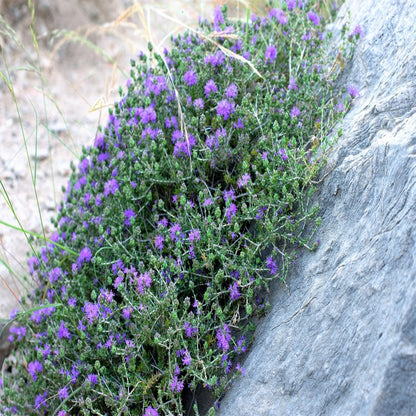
(191, 199)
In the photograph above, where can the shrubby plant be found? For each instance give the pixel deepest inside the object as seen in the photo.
(192, 199)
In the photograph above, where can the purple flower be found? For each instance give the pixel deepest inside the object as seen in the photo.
(271, 265)
(159, 242)
(212, 140)
(176, 136)
(241, 369)
(63, 331)
(194, 235)
(63, 393)
(271, 53)
(84, 256)
(229, 195)
(231, 91)
(283, 154)
(184, 147)
(353, 91)
(239, 124)
(210, 87)
(171, 122)
(191, 254)
(175, 231)
(190, 78)
(199, 104)
(33, 368)
(91, 311)
(148, 115)
(190, 330)
(292, 84)
(62, 413)
(279, 15)
(223, 338)
(235, 294)
(93, 379)
(32, 262)
(150, 411)
(208, 202)
(46, 351)
(126, 313)
(243, 181)
(19, 331)
(291, 4)
(186, 358)
(307, 36)
(129, 214)
(358, 31)
(231, 211)
(144, 280)
(294, 112)
(246, 55)
(163, 222)
(218, 18)
(314, 18)
(108, 295)
(225, 362)
(176, 386)
(99, 142)
(111, 187)
(155, 84)
(152, 133)
(225, 109)
(215, 60)
(40, 400)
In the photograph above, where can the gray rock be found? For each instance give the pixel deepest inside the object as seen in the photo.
(6, 346)
(342, 340)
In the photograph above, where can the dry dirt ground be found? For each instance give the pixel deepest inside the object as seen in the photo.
(61, 113)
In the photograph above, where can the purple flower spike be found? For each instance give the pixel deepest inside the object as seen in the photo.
(176, 385)
(84, 255)
(295, 112)
(210, 87)
(33, 368)
(225, 109)
(129, 214)
(190, 78)
(159, 242)
(353, 91)
(271, 265)
(224, 338)
(63, 393)
(279, 15)
(150, 411)
(218, 18)
(243, 181)
(93, 379)
(271, 53)
(314, 18)
(292, 84)
(63, 331)
(194, 235)
(235, 294)
(231, 91)
(291, 4)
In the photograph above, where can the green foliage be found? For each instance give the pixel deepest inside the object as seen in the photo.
(193, 197)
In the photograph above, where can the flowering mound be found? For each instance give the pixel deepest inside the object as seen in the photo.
(192, 198)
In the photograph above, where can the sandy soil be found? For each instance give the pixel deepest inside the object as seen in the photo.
(61, 114)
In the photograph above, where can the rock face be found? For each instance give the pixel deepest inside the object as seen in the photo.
(342, 339)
